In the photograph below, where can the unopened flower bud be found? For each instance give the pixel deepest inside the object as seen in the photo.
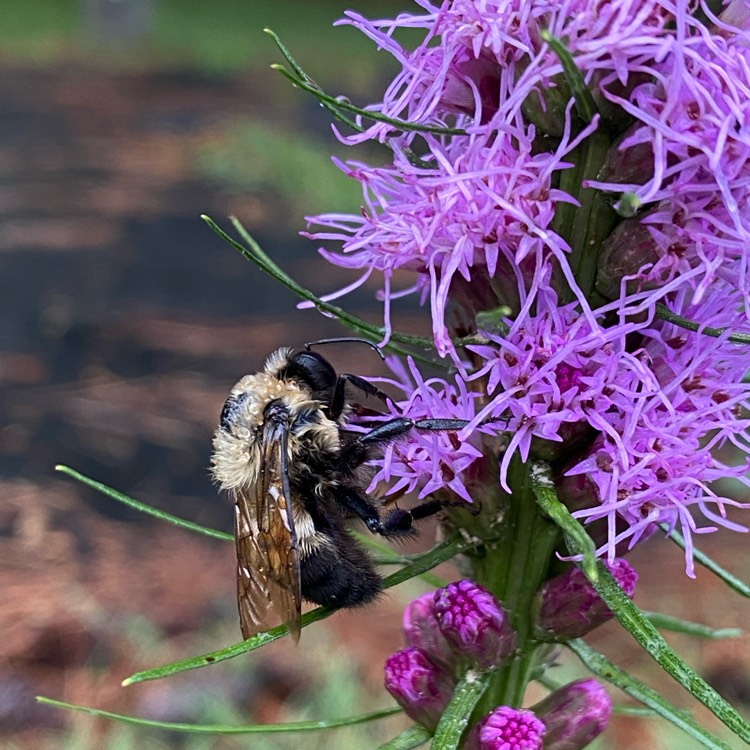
(568, 606)
(625, 252)
(631, 165)
(474, 622)
(423, 632)
(574, 715)
(419, 686)
(507, 728)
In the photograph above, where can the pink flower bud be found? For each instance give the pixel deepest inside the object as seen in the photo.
(421, 687)
(474, 622)
(422, 630)
(568, 606)
(507, 728)
(574, 715)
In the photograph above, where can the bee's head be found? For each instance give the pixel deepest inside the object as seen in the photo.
(312, 371)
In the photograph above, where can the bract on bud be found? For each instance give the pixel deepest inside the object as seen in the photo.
(422, 631)
(574, 715)
(420, 687)
(474, 622)
(568, 606)
(507, 728)
(625, 252)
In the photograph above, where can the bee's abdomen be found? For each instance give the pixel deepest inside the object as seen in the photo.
(339, 574)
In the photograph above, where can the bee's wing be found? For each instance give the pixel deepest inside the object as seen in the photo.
(268, 573)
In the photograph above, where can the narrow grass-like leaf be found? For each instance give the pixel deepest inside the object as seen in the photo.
(585, 105)
(295, 726)
(734, 583)
(418, 565)
(384, 555)
(663, 312)
(374, 333)
(646, 713)
(658, 649)
(142, 507)
(455, 718)
(414, 736)
(602, 667)
(577, 538)
(676, 625)
(302, 80)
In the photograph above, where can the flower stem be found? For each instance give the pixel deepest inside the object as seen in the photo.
(514, 571)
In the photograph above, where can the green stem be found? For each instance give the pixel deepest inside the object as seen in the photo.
(586, 226)
(513, 571)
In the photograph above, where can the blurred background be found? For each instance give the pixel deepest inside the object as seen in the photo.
(125, 321)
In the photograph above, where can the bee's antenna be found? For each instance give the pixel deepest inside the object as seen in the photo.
(347, 340)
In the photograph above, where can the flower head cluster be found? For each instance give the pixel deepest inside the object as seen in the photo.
(460, 625)
(492, 215)
(508, 728)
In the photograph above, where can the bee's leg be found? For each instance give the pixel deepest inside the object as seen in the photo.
(338, 401)
(357, 452)
(398, 522)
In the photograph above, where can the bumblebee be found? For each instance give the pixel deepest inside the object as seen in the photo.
(296, 474)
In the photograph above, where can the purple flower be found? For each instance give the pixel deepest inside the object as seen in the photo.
(431, 461)
(574, 715)
(634, 404)
(474, 623)
(482, 206)
(421, 687)
(568, 606)
(507, 728)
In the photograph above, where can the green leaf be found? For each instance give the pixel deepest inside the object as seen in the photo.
(585, 105)
(734, 583)
(576, 536)
(414, 736)
(296, 726)
(455, 718)
(142, 507)
(257, 255)
(299, 78)
(384, 555)
(663, 312)
(659, 650)
(418, 565)
(599, 665)
(676, 625)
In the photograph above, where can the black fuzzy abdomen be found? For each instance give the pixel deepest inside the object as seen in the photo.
(339, 575)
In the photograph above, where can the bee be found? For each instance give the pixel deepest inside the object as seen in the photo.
(296, 474)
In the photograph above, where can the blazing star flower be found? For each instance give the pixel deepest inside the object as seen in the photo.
(481, 207)
(581, 370)
(421, 687)
(474, 622)
(507, 728)
(430, 461)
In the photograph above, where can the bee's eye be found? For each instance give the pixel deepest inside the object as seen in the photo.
(231, 407)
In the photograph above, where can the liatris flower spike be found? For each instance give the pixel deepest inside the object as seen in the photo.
(567, 190)
(574, 715)
(567, 606)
